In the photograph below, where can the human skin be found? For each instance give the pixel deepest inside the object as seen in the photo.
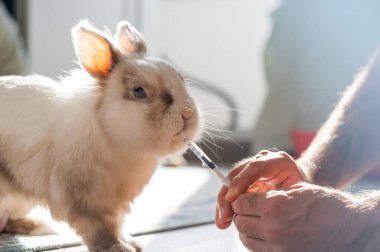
(308, 217)
(299, 216)
(264, 172)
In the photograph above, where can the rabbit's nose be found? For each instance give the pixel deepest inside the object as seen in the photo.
(188, 111)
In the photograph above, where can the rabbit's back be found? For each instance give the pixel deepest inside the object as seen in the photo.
(27, 114)
(25, 102)
(27, 109)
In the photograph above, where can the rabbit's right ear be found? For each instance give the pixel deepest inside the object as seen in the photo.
(94, 50)
(130, 40)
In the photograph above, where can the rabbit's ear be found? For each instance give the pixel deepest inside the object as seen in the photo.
(94, 50)
(131, 42)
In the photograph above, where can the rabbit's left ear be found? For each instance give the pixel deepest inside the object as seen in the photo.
(94, 50)
(131, 42)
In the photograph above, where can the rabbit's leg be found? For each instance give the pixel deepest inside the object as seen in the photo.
(101, 233)
(130, 240)
(3, 220)
(14, 209)
(27, 226)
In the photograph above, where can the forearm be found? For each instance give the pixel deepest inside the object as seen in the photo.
(367, 221)
(348, 144)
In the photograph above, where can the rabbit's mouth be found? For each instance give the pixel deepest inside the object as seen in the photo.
(180, 133)
(182, 130)
(188, 126)
(186, 129)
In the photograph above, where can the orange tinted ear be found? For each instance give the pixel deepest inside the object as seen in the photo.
(93, 50)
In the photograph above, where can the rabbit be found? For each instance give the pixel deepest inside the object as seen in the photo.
(87, 145)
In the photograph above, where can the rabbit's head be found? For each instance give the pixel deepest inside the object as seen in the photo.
(144, 104)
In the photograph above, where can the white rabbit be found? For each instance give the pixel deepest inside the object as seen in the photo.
(87, 145)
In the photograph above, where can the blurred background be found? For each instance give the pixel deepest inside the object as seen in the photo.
(270, 71)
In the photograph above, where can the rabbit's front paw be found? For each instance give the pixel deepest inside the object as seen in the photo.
(132, 242)
(123, 247)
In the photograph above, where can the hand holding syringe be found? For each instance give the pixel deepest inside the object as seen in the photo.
(206, 161)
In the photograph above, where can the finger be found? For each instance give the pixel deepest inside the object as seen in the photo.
(284, 154)
(241, 182)
(218, 223)
(256, 186)
(266, 188)
(249, 204)
(242, 163)
(224, 208)
(221, 224)
(224, 215)
(238, 168)
(253, 244)
(261, 186)
(263, 169)
(249, 226)
(233, 173)
(216, 214)
(278, 179)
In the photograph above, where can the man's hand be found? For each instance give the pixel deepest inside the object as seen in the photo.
(264, 172)
(307, 218)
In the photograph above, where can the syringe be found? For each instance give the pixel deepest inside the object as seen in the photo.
(206, 161)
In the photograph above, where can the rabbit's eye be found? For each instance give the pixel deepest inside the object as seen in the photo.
(139, 92)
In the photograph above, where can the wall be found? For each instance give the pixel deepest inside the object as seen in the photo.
(51, 50)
